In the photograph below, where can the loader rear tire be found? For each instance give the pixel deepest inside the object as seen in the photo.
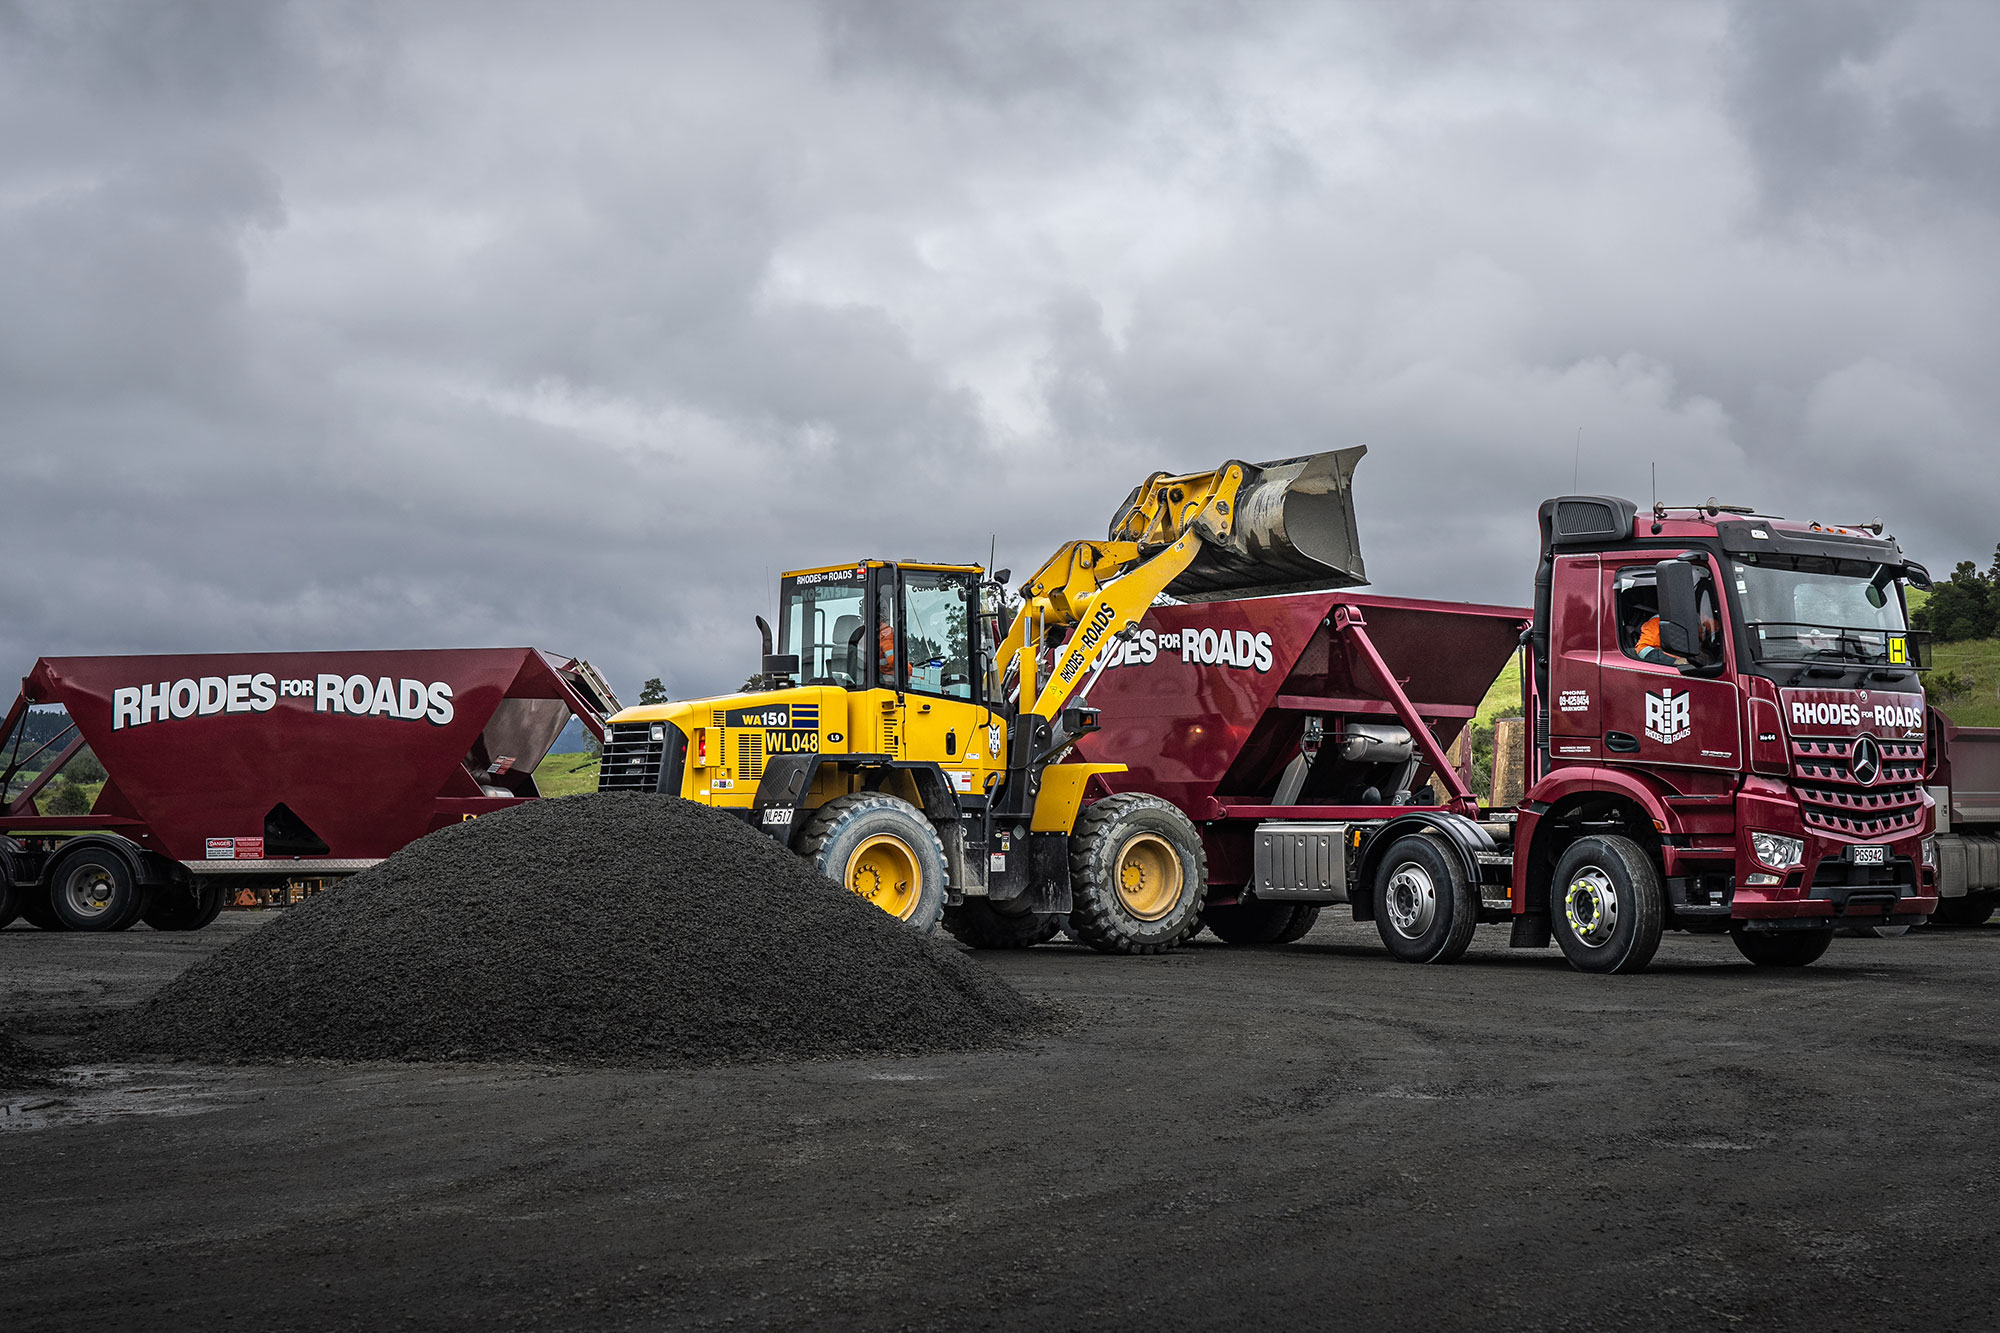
(977, 924)
(883, 850)
(175, 908)
(1253, 922)
(94, 890)
(1138, 875)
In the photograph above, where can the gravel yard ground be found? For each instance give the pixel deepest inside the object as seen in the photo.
(1311, 1134)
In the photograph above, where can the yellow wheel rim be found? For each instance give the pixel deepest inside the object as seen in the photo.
(1149, 876)
(884, 871)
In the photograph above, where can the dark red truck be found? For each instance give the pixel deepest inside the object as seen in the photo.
(226, 771)
(1728, 735)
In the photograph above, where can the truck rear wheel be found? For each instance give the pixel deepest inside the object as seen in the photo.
(882, 849)
(173, 907)
(1606, 905)
(10, 902)
(94, 890)
(1782, 948)
(977, 924)
(1303, 920)
(1425, 906)
(1138, 875)
(38, 911)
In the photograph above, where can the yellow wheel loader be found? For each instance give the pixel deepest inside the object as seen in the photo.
(912, 737)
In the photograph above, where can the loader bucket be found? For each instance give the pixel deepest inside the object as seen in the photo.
(1294, 532)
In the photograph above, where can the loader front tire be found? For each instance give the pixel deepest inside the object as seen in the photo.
(1137, 873)
(883, 850)
(977, 924)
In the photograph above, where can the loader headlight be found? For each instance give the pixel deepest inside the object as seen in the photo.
(1777, 851)
(659, 732)
(1929, 852)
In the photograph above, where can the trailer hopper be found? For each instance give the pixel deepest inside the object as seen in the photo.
(266, 765)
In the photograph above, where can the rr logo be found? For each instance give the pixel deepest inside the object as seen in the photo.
(1669, 716)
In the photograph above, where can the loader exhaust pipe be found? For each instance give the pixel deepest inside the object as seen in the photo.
(1294, 531)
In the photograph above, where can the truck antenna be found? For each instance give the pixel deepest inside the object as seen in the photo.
(992, 550)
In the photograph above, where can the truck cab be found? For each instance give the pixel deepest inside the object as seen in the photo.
(1740, 696)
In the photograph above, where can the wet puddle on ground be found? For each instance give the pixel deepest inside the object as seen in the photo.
(91, 1094)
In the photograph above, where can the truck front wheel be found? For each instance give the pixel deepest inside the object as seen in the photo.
(1425, 906)
(882, 849)
(1974, 909)
(1605, 905)
(1787, 948)
(1138, 875)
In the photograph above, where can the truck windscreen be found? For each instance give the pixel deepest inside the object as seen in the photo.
(1809, 608)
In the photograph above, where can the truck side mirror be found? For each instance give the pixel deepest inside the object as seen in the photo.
(1680, 608)
(1916, 576)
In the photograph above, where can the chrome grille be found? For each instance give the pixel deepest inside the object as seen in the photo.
(1831, 801)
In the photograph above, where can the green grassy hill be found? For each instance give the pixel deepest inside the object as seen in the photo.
(1977, 662)
(553, 776)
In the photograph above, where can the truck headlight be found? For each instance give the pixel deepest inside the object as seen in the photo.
(1929, 852)
(1777, 851)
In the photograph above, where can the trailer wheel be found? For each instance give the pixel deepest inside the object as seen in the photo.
(1303, 920)
(93, 890)
(1786, 948)
(1605, 905)
(882, 849)
(1254, 922)
(1138, 875)
(1426, 908)
(179, 908)
(37, 911)
(977, 924)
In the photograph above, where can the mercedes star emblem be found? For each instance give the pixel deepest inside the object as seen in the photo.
(1867, 765)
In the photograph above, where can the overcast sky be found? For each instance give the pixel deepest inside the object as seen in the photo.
(400, 325)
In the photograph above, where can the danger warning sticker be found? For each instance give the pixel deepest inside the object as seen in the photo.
(235, 849)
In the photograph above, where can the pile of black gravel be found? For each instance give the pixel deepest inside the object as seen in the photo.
(612, 929)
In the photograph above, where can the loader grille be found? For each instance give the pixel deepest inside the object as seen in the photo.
(750, 755)
(634, 761)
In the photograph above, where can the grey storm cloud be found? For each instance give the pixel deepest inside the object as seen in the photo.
(353, 325)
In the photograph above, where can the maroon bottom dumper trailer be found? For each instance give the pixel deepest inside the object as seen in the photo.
(245, 770)
(1305, 736)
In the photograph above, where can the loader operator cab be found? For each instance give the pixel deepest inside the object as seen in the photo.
(871, 625)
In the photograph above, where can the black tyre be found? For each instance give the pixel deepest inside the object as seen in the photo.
(10, 902)
(1425, 907)
(38, 912)
(1137, 873)
(1253, 922)
(1606, 905)
(1974, 909)
(1304, 918)
(1782, 948)
(177, 907)
(882, 849)
(94, 890)
(978, 924)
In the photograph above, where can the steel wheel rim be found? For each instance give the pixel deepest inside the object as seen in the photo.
(1148, 873)
(884, 871)
(1412, 900)
(88, 890)
(1590, 905)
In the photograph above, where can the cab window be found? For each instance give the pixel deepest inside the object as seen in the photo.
(824, 620)
(937, 621)
(1635, 595)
